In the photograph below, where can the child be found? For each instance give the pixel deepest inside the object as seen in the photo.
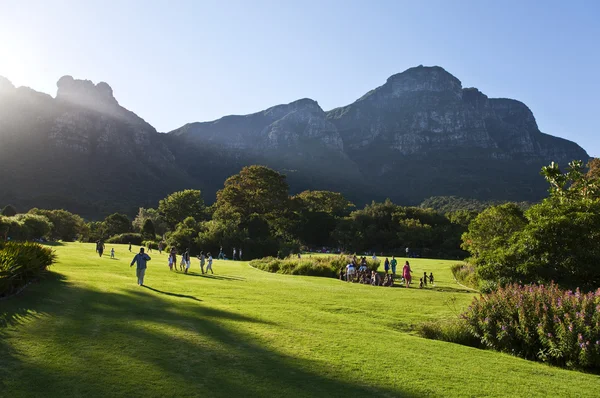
(431, 278)
(173, 259)
(186, 259)
(112, 253)
(420, 283)
(425, 278)
(209, 264)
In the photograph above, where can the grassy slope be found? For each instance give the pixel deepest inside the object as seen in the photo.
(90, 330)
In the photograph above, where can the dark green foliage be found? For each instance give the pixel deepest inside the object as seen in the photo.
(21, 263)
(148, 230)
(492, 228)
(556, 240)
(311, 266)
(389, 227)
(116, 224)
(66, 226)
(184, 235)
(180, 205)
(9, 211)
(130, 237)
(160, 226)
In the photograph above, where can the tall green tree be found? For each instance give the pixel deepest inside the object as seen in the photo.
(9, 211)
(116, 224)
(180, 205)
(254, 190)
(160, 226)
(492, 229)
(148, 230)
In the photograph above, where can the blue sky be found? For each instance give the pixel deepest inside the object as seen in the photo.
(174, 62)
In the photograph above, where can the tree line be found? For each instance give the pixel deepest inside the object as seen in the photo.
(255, 211)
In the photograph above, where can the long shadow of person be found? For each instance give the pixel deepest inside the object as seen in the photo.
(172, 294)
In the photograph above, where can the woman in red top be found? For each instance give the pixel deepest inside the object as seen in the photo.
(406, 274)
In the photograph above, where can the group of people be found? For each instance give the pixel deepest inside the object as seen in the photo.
(358, 271)
(185, 263)
(237, 254)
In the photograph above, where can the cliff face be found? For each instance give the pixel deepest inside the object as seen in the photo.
(80, 150)
(420, 134)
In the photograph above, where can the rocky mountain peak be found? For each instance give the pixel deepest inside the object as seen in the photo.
(85, 93)
(5, 85)
(424, 78)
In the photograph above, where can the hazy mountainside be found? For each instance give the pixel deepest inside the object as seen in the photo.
(80, 150)
(418, 135)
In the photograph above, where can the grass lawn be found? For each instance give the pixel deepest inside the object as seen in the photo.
(89, 330)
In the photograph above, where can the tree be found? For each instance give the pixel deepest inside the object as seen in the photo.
(66, 226)
(254, 190)
(160, 226)
(35, 226)
(116, 224)
(317, 215)
(9, 211)
(492, 228)
(148, 231)
(180, 205)
(332, 203)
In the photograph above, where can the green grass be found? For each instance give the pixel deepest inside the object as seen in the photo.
(89, 330)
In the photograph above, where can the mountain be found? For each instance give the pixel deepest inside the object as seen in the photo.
(81, 151)
(420, 134)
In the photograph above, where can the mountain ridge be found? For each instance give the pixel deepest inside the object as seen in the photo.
(419, 134)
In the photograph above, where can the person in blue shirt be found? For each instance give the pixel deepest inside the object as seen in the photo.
(141, 258)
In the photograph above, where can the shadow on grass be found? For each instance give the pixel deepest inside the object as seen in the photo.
(171, 294)
(218, 277)
(53, 244)
(95, 343)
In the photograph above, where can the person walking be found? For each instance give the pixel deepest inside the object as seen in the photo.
(234, 254)
(186, 259)
(240, 255)
(173, 259)
(112, 253)
(209, 264)
(386, 266)
(394, 263)
(100, 247)
(129, 246)
(202, 259)
(140, 259)
(406, 274)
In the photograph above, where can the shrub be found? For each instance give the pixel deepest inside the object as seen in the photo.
(329, 266)
(133, 238)
(150, 244)
(541, 323)
(21, 263)
(452, 330)
(465, 274)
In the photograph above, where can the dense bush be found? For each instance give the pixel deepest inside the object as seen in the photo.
(133, 238)
(21, 263)
(150, 244)
(452, 330)
(328, 266)
(541, 323)
(465, 274)
(24, 227)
